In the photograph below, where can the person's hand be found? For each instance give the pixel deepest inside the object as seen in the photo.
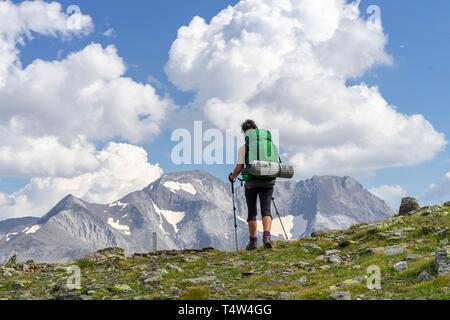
(230, 177)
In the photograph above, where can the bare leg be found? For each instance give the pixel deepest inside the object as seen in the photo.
(267, 224)
(252, 228)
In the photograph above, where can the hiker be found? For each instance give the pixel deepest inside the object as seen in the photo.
(254, 188)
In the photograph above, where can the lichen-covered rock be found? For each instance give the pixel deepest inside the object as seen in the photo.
(107, 254)
(201, 280)
(424, 276)
(408, 205)
(442, 262)
(122, 288)
(400, 266)
(341, 295)
(312, 247)
(394, 250)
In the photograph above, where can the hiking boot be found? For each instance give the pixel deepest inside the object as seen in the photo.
(252, 245)
(267, 241)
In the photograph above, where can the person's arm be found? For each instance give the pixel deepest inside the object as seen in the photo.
(237, 171)
(240, 164)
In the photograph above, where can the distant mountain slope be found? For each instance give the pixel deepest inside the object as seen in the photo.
(10, 228)
(188, 210)
(10, 224)
(326, 203)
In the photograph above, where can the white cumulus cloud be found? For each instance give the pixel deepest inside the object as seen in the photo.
(54, 113)
(391, 194)
(287, 64)
(18, 22)
(120, 169)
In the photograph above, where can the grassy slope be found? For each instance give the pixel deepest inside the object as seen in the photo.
(279, 274)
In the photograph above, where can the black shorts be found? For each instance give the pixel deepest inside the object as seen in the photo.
(265, 199)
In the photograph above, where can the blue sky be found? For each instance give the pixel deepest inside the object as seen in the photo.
(417, 82)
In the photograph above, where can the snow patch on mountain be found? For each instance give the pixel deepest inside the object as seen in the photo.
(159, 213)
(172, 217)
(8, 236)
(119, 204)
(120, 227)
(177, 186)
(32, 229)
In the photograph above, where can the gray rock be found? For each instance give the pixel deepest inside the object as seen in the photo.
(442, 262)
(150, 277)
(122, 288)
(71, 295)
(302, 264)
(173, 268)
(408, 205)
(201, 280)
(18, 286)
(344, 243)
(332, 252)
(335, 259)
(424, 276)
(286, 295)
(341, 295)
(303, 280)
(443, 233)
(413, 257)
(400, 266)
(312, 247)
(394, 250)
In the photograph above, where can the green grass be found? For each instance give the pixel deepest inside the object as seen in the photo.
(275, 274)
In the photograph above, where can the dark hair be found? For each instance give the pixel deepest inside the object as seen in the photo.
(248, 125)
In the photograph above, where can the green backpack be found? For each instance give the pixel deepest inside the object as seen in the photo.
(262, 160)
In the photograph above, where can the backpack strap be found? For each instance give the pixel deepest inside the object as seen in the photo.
(269, 144)
(247, 150)
(258, 156)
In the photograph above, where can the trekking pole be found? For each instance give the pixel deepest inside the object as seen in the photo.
(281, 221)
(235, 220)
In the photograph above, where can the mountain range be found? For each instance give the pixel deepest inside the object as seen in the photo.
(184, 210)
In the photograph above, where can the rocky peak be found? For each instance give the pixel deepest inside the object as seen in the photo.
(67, 203)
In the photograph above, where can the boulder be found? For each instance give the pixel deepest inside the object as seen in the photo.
(123, 288)
(408, 205)
(335, 259)
(201, 280)
(312, 247)
(394, 250)
(341, 295)
(442, 262)
(424, 276)
(400, 266)
(413, 257)
(303, 280)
